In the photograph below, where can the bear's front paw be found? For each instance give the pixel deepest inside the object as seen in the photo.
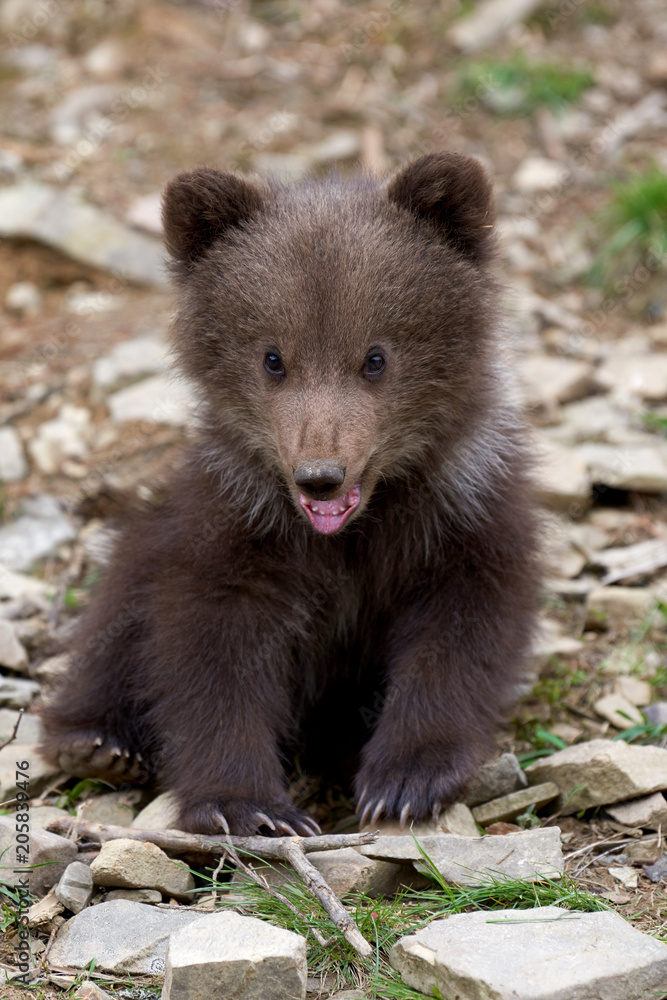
(245, 818)
(93, 754)
(410, 790)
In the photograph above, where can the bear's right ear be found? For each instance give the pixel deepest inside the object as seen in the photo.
(198, 206)
(454, 193)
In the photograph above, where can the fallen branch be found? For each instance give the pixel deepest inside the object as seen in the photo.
(290, 849)
(327, 897)
(14, 731)
(178, 842)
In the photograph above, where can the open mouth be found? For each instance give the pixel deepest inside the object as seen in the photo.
(327, 516)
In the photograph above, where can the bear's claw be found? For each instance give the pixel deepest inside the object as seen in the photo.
(91, 755)
(244, 818)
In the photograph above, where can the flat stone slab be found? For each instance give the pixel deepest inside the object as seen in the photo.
(226, 956)
(63, 220)
(529, 854)
(541, 954)
(603, 772)
(507, 807)
(121, 935)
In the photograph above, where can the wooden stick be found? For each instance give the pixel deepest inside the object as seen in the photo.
(290, 849)
(178, 842)
(327, 897)
(14, 731)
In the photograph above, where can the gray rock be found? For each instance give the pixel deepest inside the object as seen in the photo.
(123, 936)
(619, 608)
(61, 219)
(42, 816)
(71, 113)
(89, 991)
(488, 22)
(626, 467)
(75, 888)
(589, 419)
(17, 692)
(41, 773)
(637, 691)
(130, 358)
(649, 812)
(456, 818)
(51, 852)
(618, 710)
(657, 712)
(541, 954)
(508, 807)
(562, 476)
(226, 955)
(131, 864)
(495, 778)
(603, 771)
(13, 465)
(346, 871)
(23, 298)
(643, 375)
(136, 895)
(535, 174)
(657, 872)
(111, 809)
(158, 400)
(66, 436)
(29, 731)
(471, 861)
(36, 534)
(160, 814)
(14, 656)
(646, 849)
(18, 586)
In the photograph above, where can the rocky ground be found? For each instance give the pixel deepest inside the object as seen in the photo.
(101, 104)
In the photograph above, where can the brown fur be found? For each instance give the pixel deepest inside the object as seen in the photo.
(247, 632)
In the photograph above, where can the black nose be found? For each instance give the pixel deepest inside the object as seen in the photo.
(319, 479)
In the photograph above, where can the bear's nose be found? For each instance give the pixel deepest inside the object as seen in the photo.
(319, 479)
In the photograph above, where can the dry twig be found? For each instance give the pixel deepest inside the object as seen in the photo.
(14, 730)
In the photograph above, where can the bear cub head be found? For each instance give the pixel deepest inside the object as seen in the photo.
(339, 332)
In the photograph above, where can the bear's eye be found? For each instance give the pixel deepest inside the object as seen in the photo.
(375, 363)
(273, 363)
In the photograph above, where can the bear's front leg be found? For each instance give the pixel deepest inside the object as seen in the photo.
(220, 687)
(455, 659)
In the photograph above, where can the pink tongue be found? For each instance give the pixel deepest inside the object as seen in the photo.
(327, 516)
(326, 523)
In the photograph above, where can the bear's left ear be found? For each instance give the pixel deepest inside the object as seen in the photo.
(198, 206)
(454, 193)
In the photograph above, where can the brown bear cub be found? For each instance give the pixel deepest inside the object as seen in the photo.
(345, 558)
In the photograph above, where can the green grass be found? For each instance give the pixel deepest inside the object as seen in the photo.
(643, 733)
(633, 230)
(518, 86)
(383, 921)
(69, 798)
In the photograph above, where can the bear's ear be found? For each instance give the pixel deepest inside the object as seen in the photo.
(454, 193)
(198, 206)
